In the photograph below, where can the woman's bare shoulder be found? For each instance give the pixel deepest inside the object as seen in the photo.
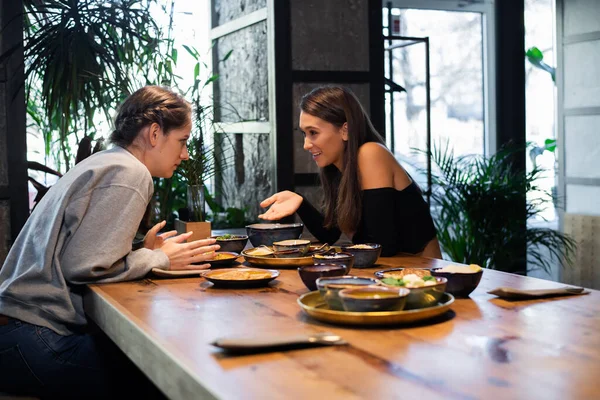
(376, 166)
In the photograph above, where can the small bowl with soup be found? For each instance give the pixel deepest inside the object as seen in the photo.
(462, 279)
(365, 255)
(425, 289)
(341, 258)
(222, 258)
(330, 287)
(373, 298)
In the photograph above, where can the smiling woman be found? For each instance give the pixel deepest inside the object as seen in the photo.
(82, 232)
(368, 195)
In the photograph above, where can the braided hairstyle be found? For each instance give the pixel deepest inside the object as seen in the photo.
(148, 105)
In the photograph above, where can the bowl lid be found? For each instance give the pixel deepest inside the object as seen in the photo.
(274, 226)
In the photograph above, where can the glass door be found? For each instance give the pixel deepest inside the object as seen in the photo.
(438, 80)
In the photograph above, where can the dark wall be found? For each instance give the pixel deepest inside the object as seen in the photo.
(14, 203)
(510, 93)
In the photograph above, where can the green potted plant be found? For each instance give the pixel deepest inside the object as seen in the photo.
(202, 163)
(477, 206)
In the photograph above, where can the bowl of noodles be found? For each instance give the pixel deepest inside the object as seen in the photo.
(241, 277)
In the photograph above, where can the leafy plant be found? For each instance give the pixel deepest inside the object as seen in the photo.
(80, 57)
(481, 206)
(203, 162)
(536, 58)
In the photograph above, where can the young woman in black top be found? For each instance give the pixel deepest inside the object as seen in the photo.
(368, 195)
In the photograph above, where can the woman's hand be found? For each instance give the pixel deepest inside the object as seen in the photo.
(183, 255)
(282, 205)
(153, 240)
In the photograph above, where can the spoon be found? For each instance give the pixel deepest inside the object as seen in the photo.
(320, 249)
(265, 342)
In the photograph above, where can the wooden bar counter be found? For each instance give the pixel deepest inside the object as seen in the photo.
(485, 348)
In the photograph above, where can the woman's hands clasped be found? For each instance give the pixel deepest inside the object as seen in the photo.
(282, 205)
(181, 255)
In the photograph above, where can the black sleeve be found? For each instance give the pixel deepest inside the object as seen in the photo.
(399, 221)
(314, 221)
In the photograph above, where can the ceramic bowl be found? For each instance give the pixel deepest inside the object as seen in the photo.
(266, 234)
(294, 247)
(223, 258)
(330, 287)
(364, 257)
(424, 296)
(460, 284)
(310, 273)
(232, 243)
(369, 299)
(342, 258)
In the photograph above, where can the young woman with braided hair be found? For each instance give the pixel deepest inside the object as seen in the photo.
(367, 193)
(82, 232)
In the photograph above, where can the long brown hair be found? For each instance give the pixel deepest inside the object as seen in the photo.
(343, 199)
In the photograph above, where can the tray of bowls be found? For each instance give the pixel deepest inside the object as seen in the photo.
(394, 296)
(290, 253)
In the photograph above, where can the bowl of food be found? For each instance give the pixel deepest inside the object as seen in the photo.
(462, 279)
(222, 258)
(329, 287)
(425, 289)
(232, 243)
(373, 298)
(291, 247)
(331, 257)
(365, 255)
(267, 234)
(310, 273)
(240, 277)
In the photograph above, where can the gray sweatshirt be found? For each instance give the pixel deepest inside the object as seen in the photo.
(80, 232)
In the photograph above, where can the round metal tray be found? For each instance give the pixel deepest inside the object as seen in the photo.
(313, 304)
(273, 262)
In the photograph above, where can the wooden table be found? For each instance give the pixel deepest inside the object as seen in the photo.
(484, 348)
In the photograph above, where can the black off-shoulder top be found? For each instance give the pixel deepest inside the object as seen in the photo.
(399, 220)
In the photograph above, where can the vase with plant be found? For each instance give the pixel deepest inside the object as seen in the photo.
(481, 206)
(202, 163)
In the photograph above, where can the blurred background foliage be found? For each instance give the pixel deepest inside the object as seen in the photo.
(82, 59)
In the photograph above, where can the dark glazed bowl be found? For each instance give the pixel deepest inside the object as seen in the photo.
(266, 234)
(369, 299)
(346, 259)
(234, 244)
(364, 257)
(310, 273)
(459, 284)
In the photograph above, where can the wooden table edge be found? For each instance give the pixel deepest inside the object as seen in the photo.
(161, 365)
